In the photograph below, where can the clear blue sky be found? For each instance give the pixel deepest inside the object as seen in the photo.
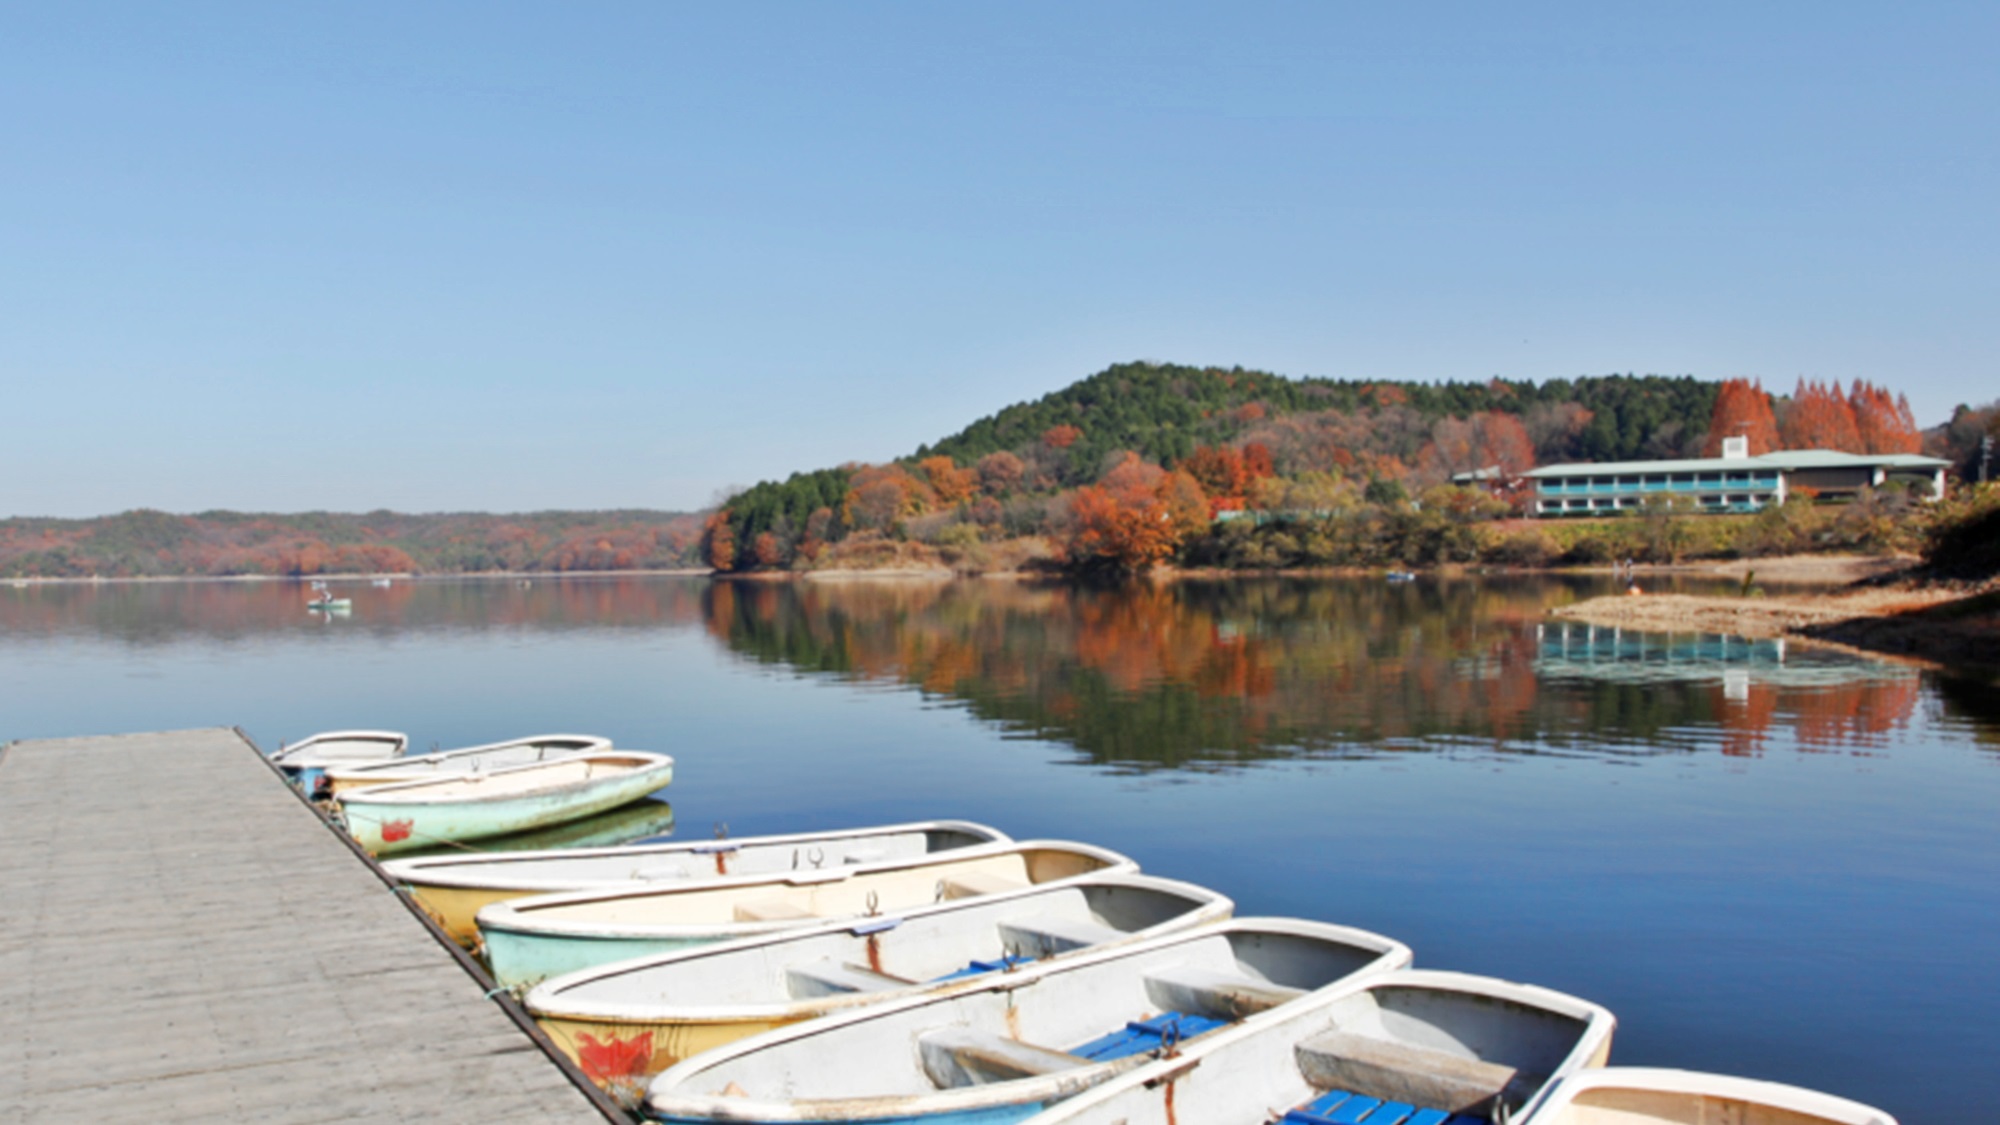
(428, 256)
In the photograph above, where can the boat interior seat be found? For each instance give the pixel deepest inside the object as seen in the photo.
(1393, 1071)
(865, 855)
(965, 1056)
(1045, 935)
(973, 883)
(1214, 992)
(1344, 1107)
(772, 910)
(836, 978)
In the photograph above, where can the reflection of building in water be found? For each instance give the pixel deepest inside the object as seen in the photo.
(1606, 652)
(1825, 698)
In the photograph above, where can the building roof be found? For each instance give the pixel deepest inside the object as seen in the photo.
(1781, 460)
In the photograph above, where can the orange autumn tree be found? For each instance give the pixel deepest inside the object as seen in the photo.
(1126, 522)
(1820, 418)
(1742, 409)
(718, 541)
(951, 483)
(1884, 423)
(1229, 475)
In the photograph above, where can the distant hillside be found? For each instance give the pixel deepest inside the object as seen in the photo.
(150, 543)
(1163, 411)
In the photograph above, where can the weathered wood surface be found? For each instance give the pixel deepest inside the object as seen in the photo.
(183, 940)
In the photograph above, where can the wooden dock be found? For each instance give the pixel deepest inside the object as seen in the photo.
(183, 939)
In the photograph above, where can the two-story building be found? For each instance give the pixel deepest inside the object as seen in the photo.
(1733, 482)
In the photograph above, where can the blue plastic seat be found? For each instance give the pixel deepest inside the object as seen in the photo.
(1146, 1035)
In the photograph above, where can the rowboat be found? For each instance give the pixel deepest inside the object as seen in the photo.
(452, 889)
(629, 1020)
(1404, 1048)
(1000, 1051)
(649, 821)
(305, 760)
(491, 756)
(415, 814)
(1624, 1095)
(528, 940)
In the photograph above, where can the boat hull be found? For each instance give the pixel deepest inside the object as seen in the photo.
(386, 825)
(1648, 1096)
(453, 890)
(530, 940)
(632, 1019)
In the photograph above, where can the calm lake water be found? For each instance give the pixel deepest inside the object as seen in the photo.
(1766, 859)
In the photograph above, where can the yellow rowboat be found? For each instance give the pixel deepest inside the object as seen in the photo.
(453, 888)
(415, 814)
(472, 759)
(528, 940)
(627, 1021)
(1625, 1095)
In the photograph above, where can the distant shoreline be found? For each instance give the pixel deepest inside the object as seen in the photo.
(330, 579)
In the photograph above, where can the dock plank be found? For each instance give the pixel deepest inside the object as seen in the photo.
(183, 940)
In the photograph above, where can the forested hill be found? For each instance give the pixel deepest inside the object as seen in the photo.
(1164, 411)
(1231, 439)
(147, 543)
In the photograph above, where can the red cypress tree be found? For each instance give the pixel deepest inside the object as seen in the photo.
(1742, 409)
(1884, 424)
(1820, 418)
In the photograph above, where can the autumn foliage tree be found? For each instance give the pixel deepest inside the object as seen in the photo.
(1742, 409)
(950, 483)
(1884, 423)
(1127, 521)
(1228, 475)
(1819, 417)
(718, 541)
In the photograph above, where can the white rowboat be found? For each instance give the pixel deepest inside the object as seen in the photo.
(528, 940)
(1027, 1039)
(454, 888)
(1405, 1048)
(629, 1020)
(471, 759)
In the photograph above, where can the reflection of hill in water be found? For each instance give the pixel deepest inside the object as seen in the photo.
(1208, 674)
(162, 612)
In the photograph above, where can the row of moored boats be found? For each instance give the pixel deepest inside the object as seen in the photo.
(942, 972)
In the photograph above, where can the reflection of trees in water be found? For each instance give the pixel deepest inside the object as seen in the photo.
(1974, 700)
(1196, 674)
(163, 612)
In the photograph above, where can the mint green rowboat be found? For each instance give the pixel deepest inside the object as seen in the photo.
(474, 806)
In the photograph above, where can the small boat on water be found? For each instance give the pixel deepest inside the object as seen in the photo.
(321, 598)
(453, 888)
(627, 1021)
(1001, 1050)
(305, 760)
(472, 759)
(528, 940)
(1417, 1047)
(413, 814)
(1623, 1095)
